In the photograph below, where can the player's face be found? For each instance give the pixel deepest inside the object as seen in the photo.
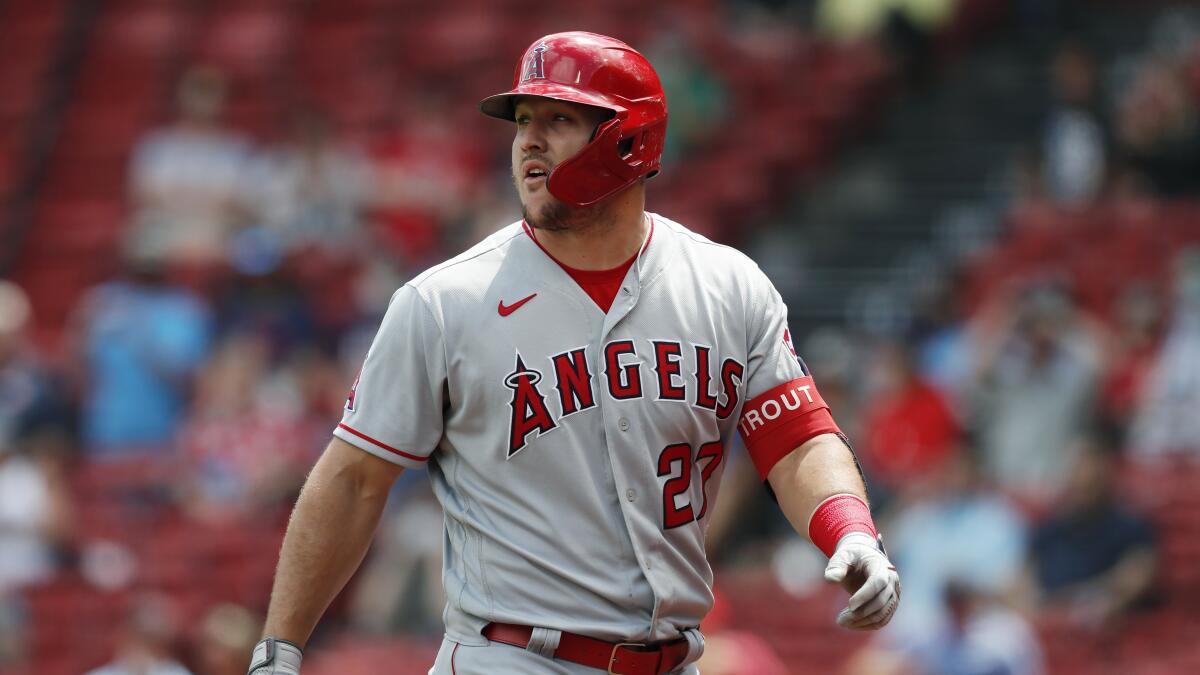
(548, 132)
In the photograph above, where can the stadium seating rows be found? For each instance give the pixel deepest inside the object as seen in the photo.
(346, 58)
(134, 51)
(1096, 251)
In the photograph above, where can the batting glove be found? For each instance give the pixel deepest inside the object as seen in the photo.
(861, 566)
(273, 656)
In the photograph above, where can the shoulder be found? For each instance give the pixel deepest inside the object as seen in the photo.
(474, 265)
(696, 243)
(719, 259)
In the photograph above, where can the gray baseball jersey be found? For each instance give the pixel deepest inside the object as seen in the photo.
(577, 453)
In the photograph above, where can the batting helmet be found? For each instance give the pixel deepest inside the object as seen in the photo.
(606, 73)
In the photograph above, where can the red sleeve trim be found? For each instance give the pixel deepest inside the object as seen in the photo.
(837, 517)
(385, 446)
(779, 420)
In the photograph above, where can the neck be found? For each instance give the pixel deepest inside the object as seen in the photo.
(614, 235)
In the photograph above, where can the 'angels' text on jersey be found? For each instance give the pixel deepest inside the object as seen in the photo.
(623, 380)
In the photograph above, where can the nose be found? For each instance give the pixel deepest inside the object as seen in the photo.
(531, 138)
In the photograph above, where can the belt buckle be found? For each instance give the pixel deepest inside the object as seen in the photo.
(612, 657)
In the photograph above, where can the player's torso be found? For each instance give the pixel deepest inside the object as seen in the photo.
(586, 440)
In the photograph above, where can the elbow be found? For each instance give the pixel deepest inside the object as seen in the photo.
(362, 483)
(348, 471)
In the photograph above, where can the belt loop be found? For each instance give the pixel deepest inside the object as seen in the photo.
(544, 641)
(695, 646)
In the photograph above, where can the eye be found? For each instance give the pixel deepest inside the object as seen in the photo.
(559, 117)
(522, 120)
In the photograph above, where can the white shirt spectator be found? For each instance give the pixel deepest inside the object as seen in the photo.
(25, 504)
(187, 186)
(1075, 156)
(312, 196)
(1166, 421)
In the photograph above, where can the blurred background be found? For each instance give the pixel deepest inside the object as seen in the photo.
(982, 214)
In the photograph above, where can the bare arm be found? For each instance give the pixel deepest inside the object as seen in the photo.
(328, 535)
(819, 469)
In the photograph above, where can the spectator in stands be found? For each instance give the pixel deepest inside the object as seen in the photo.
(1167, 421)
(35, 503)
(1131, 353)
(312, 188)
(926, 540)
(426, 171)
(227, 634)
(242, 447)
(147, 642)
(1074, 140)
(35, 512)
(35, 515)
(982, 637)
(908, 427)
(944, 344)
(29, 396)
(272, 305)
(1034, 388)
(1093, 558)
(836, 358)
(1158, 130)
(141, 341)
(36, 524)
(186, 180)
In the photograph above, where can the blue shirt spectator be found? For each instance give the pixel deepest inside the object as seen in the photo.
(927, 544)
(143, 340)
(1094, 559)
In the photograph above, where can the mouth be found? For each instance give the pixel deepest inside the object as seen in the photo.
(535, 174)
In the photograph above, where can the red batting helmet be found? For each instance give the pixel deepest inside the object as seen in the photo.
(606, 73)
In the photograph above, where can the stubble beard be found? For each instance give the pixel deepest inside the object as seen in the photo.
(552, 217)
(556, 216)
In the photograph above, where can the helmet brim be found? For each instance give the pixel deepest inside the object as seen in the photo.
(503, 106)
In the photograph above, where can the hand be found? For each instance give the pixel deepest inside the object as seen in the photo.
(275, 657)
(862, 568)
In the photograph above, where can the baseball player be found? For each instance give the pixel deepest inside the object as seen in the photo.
(572, 384)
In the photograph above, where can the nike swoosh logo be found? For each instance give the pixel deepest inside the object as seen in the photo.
(505, 310)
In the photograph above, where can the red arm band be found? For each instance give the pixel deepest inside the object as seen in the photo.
(779, 420)
(836, 517)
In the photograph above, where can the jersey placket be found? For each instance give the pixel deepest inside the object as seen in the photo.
(617, 435)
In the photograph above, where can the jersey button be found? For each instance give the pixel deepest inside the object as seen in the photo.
(631, 494)
(623, 424)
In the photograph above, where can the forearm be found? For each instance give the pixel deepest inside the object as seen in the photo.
(804, 481)
(328, 536)
(817, 470)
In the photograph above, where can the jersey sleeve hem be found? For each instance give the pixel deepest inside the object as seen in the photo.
(378, 448)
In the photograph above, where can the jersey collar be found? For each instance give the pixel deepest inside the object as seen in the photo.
(571, 270)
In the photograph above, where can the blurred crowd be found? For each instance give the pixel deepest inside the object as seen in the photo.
(253, 273)
(1004, 427)
(251, 276)
(1126, 128)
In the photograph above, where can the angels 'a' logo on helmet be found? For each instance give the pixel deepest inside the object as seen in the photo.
(535, 65)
